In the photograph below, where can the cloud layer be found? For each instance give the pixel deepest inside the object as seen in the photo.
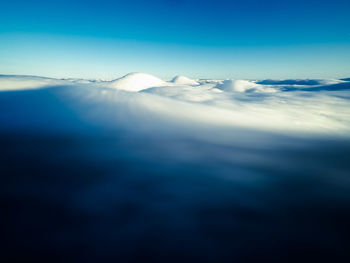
(216, 170)
(293, 107)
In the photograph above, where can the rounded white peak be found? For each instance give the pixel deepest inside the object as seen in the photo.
(182, 80)
(136, 82)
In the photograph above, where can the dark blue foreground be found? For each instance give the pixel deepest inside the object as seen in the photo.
(102, 199)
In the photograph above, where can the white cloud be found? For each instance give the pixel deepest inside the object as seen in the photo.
(136, 82)
(218, 105)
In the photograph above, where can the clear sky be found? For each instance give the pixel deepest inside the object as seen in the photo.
(198, 38)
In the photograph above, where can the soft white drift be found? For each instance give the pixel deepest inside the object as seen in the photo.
(8, 83)
(243, 86)
(182, 80)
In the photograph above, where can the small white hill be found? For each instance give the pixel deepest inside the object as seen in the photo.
(182, 80)
(136, 82)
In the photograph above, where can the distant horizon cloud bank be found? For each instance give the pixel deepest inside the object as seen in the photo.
(292, 107)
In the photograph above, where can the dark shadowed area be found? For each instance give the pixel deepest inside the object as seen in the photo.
(104, 199)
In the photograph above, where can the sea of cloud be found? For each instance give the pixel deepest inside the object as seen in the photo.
(314, 107)
(143, 169)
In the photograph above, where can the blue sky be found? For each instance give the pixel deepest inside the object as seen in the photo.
(198, 38)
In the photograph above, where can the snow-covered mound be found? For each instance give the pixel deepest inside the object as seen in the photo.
(136, 82)
(182, 80)
(243, 86)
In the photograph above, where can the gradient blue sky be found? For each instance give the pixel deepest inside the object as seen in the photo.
(198, 38)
